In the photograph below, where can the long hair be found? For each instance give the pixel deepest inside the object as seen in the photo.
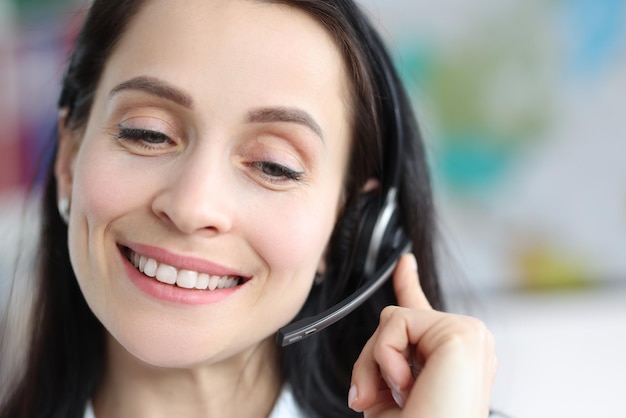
(66, 359)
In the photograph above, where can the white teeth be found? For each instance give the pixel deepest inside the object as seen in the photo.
(222, 282)
(187, 279)
(203, 281)
(213, 282)
(166, 274)
(150, 268)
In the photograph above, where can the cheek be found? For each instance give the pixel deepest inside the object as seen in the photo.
(102, 189)
(101, 193)
(291, 237)
(291, 242)
(294, 242)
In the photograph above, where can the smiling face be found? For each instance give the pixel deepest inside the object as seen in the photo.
(214, 159)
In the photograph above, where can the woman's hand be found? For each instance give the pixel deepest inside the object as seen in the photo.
(422, 363)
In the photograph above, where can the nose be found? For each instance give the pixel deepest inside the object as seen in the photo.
(196, 196)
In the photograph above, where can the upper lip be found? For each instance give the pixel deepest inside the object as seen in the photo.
(182, 261)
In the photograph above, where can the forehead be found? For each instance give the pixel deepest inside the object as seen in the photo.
(212, 41)
(232, 54)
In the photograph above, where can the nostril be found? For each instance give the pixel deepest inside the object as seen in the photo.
(191, 217)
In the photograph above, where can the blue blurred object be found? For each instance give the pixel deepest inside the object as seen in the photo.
(597, 31)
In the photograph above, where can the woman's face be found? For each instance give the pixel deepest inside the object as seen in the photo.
(214, 155)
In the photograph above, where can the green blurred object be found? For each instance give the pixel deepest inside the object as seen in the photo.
(37, 9)
(469, 162)
(489, 93)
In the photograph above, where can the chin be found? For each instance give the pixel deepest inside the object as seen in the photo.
(175, 351)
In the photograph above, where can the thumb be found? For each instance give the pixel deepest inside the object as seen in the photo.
(406, 284)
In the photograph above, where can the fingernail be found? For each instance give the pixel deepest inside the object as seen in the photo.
(398, 397)
(352, 395)
(392, 384)
(396, 393)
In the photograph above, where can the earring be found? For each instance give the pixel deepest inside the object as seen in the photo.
(319, 278)
(64, 209)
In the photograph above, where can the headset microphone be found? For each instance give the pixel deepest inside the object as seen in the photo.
(386, 242)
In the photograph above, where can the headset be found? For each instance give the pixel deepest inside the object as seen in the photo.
(380, 238)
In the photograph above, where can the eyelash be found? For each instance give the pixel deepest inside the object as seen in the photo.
(276, 172)
(272, 172)
(149, 139)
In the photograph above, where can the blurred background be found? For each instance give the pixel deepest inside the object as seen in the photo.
(522, 108)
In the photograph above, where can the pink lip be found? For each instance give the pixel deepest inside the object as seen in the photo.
(172, 293)
(183, 262)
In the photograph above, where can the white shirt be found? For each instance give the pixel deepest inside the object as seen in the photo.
(286, 406)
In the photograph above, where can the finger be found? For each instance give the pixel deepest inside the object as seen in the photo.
(406, 335)
(459, 360)
(366, 379)
(393, 350)
(406, 284)
(369, 390)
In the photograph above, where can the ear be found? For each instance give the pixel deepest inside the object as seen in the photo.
(66, 152)
(321, 266)
(371, 184)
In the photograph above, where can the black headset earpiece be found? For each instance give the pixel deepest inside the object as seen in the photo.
(379, 233)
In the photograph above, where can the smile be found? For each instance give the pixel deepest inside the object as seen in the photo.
(184, 278)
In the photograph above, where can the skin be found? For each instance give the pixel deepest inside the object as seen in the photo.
(203, 188)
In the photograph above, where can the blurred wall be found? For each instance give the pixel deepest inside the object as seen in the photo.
(522, 104)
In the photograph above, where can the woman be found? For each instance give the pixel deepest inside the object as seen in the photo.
(213, 162)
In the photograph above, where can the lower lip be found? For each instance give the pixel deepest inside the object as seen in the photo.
(174, 294)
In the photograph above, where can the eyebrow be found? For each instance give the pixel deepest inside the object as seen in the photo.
(155, 87)
(159, 88)
(286, 114)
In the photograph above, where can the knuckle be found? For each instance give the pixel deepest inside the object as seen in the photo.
(477, 329)
(379, 351)
(387, 313)
(466, 329)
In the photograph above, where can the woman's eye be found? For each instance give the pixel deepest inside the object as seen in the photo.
(147, 138)
(277, 172)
